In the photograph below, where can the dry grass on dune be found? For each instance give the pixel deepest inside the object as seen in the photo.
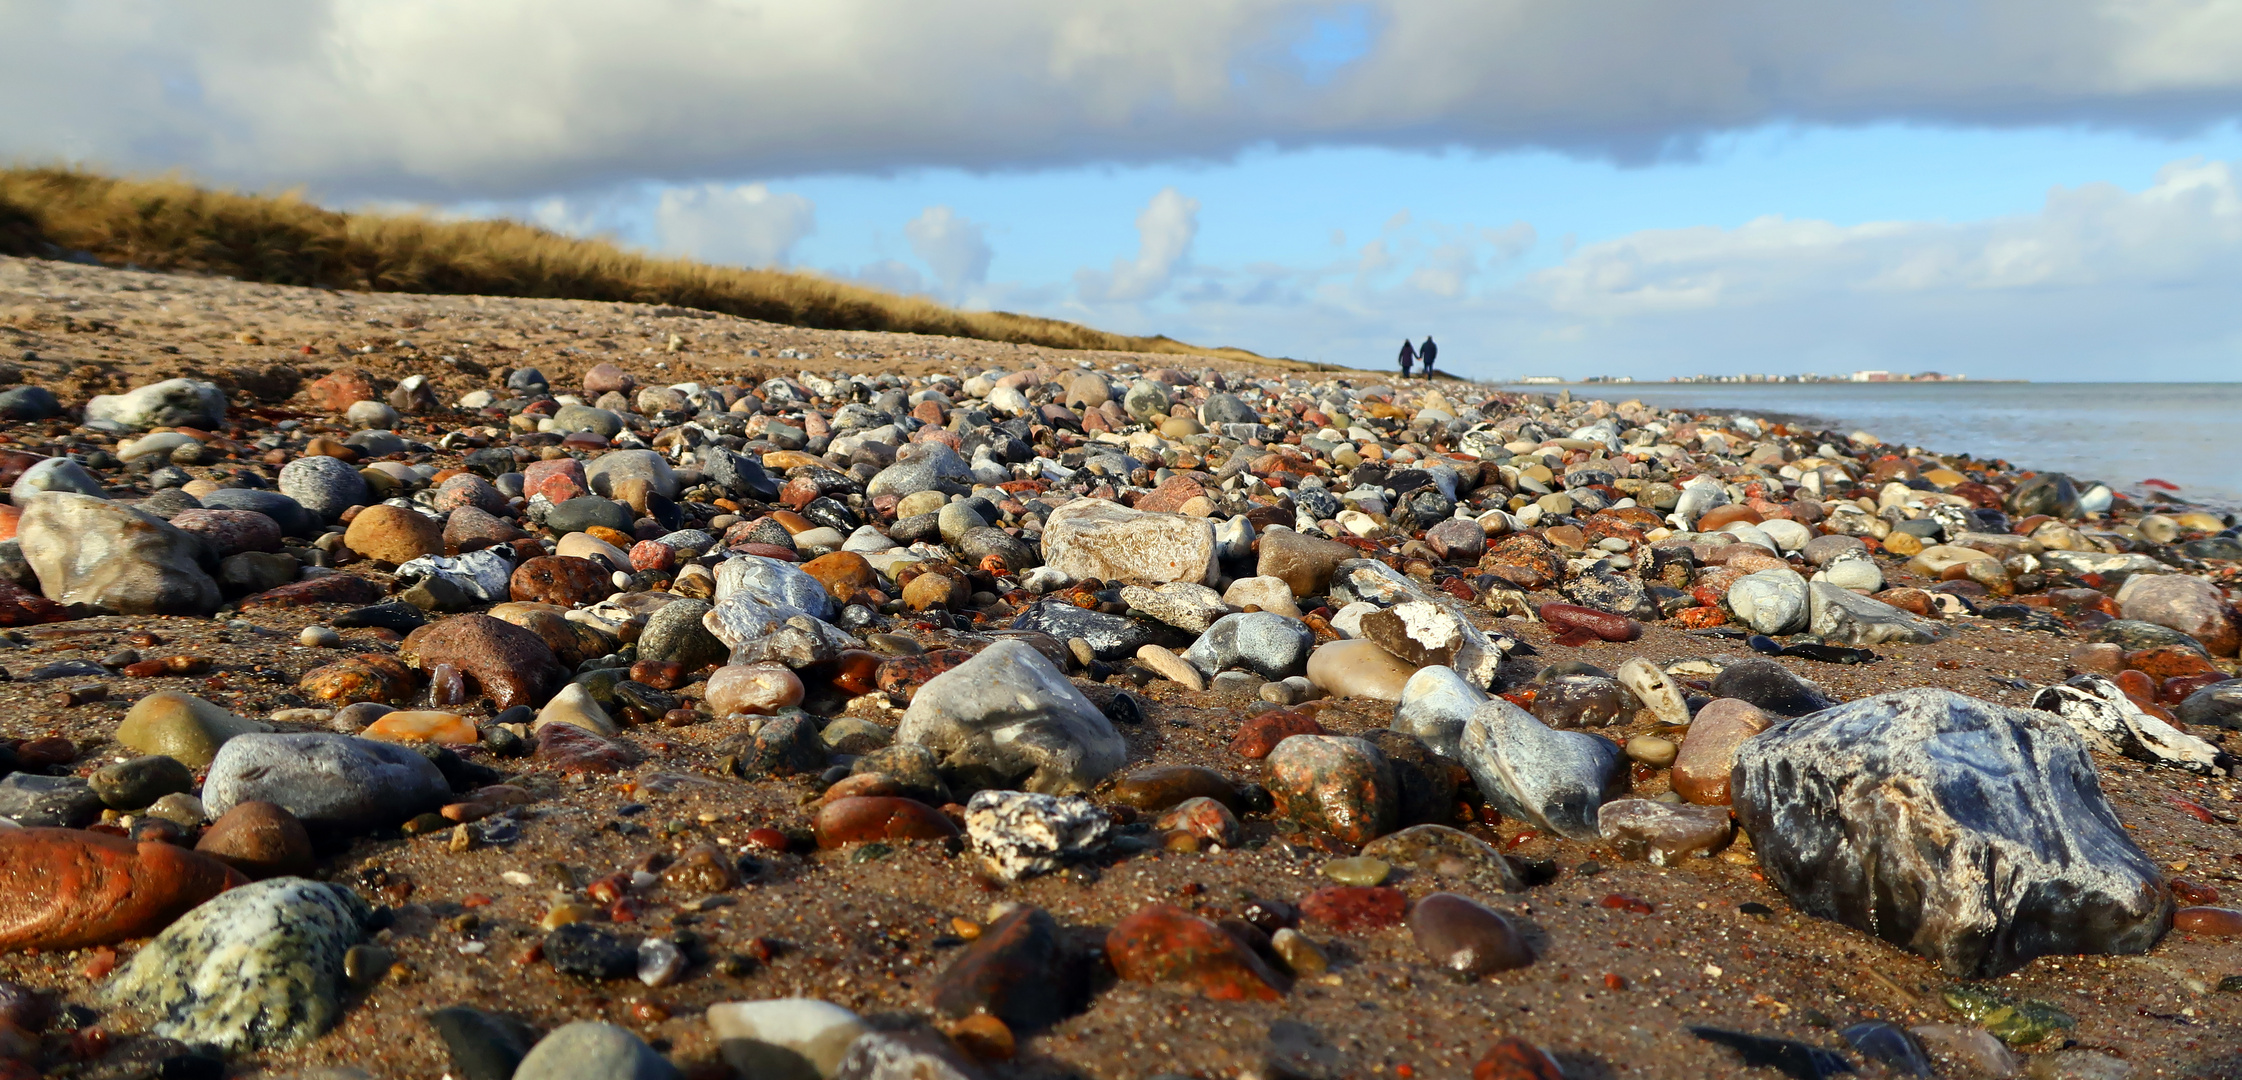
(170, 224)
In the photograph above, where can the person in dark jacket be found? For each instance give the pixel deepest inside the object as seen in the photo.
(1408, 357)
(1426, 354)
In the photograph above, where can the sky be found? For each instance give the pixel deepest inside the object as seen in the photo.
(2040, 189)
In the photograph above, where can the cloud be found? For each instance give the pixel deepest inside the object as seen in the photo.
(511, 99)
(745, 224)
(1164, 233)
(954, 248)
(2100, 282)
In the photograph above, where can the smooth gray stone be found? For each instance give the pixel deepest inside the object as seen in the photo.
(603, 471)
(1967, 832)
(66, 802)
(255, 968)
(774, 583)
(1435, 704)
(325, 779)
(1558, 780)
(326, 486)
(592, 1050)
(1263, 642)
(1841, 617)
(920, 467)
(1008, 718)
(170, 403)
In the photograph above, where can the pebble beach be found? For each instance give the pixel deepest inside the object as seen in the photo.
(413, 686)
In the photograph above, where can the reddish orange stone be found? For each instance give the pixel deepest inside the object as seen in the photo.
(865, 818)
(67, 889)
(1572, 618)
(1514, 1058)
(564, 580)
(2170, 661)
(1354, 909)
(2192, 894)
(332, 589)
(845, 574)
(857, 671)
(1719, 516)
(2219, 921)
(1260, 734)
(903, 675)
(1161, 943)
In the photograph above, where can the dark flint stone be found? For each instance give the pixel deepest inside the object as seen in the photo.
(2216, 705)
(66, 669)
(33, 801)
(786, 745)
(1424, 781)
(290, 515)
(2133, 635)
(1111, 637)
(402, 618)
(1775, 689)
(1965, 831)
(483, 1045)
(832, 514)
(1882, 1040)
(591, 951)
(585, 511)
(494, 462)
(916, 528)
(1793, 1059)
(1019, 971)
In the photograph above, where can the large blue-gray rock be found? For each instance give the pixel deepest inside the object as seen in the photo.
(106, 556)
(326, 486)
(170, 403)
(1008, 719)
(335, 781)
(1557, 780)
(258, 967)
(1263, 642)
(1967, 832)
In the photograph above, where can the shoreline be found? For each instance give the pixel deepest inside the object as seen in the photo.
(1297, 501)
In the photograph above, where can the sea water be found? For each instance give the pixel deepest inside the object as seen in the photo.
(2120, 434)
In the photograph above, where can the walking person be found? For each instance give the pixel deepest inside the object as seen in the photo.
(1425, 354)
(1408, 357)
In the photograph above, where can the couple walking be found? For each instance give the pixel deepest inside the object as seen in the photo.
(1410, 355)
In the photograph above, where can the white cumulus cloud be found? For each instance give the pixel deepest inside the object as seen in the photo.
(957, 250)
(1164, 233)
(743, 224)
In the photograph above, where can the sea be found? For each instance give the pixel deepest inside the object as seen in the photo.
(2188, 434)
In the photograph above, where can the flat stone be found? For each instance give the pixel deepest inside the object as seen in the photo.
(1354, 909)
(256, 968)
(1304, 563)
(1773, 688)
(1977, 881)
(2100, 712)
(1446, 852)
(1664, 833)
(170, 403)
(1158, 787)
(67, 889)
(1110, 637)
(1655, 690)
(1842, 617)
(325, 780)
(862, 819)
(33, 800)
(1184, 605)
(1093, 538)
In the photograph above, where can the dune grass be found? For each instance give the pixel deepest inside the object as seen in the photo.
(171, 224)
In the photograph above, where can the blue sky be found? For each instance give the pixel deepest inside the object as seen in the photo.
(2041, 190)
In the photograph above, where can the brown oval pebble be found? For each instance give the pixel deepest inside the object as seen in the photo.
(1162, 786)
(2224, 922)
(659, 674)
(1708, 751)
(562, 580)
(67, 889)
(260, 839)
(857, 671)
(511, 665)
(1161, 943)
(864, 819)
(1464, 937)
(1572, 618)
